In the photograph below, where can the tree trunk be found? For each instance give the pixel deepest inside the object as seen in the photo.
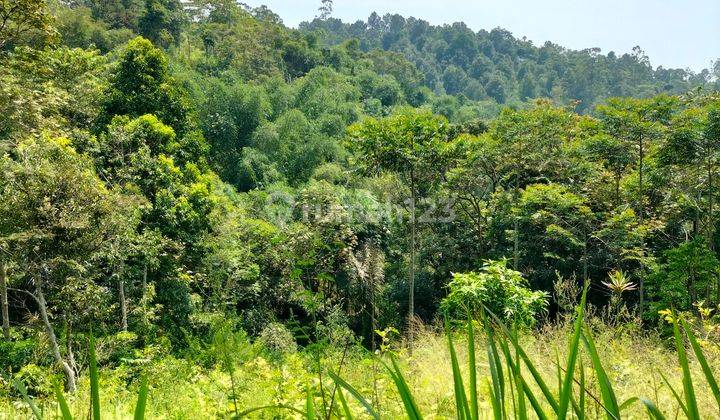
(711, 203)
(696, 220)
(4, 301)
(144, 284)
(42, 305)
(411, 271)
(123, 304)
(69, 344)
(516, 228)
(641, 280)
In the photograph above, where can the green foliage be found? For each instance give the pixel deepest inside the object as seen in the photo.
(502, 290)
(297, 184)
(141, 85)
(162, 21)
(55, 89)
(689, 275)
(554, 224)
(277, 339)
(21, 17)
(505, 68)
(410, 140)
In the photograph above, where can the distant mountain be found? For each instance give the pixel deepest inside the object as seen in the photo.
(456, 60)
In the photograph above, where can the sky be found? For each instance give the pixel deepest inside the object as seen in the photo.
(673, 33)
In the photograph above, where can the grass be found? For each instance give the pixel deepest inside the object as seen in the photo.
(62, 405)
(578, 370)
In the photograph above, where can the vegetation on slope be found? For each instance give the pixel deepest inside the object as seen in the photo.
(226, 202)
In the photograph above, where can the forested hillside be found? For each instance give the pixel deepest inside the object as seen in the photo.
(193, 193)
(496, 65)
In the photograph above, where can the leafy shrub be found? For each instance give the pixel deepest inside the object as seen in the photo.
(116, 348)
(277, 339)
(38, 379)
(14, 354)
(687, 277)
(503, 290)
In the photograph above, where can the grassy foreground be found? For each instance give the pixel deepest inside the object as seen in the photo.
(183, 389)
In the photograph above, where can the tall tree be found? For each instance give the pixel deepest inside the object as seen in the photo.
(62, 214)
(410, 143)
(18, 17)
(325, 9)
(141, 84)
(533, 141)
(162, 21)
(639, 123)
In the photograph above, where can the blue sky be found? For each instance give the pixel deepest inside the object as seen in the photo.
(673, 33)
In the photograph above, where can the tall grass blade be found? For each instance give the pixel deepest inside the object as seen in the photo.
(692, 408)
(461, 405)
(368, 407)
(652, 410)
(142, 400)
(269, 407)
(495, 401)
(94, 381)
(522, 409)
(343, 402)
(519, 409)
(567, 384)
(411, 408)
(607, 394)
(628, 403)
(539, 412)
(700, 356)
(62, 402)
(473, 371)
(309, 405)
(29, 401)
(496, 374)
(582, 390)
(528, 363)
(676, 395)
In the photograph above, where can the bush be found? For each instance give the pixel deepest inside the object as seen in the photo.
(117, 348)
(38, 379)
(277, 339)
(14, 354)
(503, 290)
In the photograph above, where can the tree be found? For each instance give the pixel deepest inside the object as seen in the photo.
(118, 13)
(527, 88)
(18, 17)
(146, 156)
(5, 228)
(475, 177)
(637, 122)
(325, 9)
(691, 153)
(141, 85)
(554, 226)
(229, 117)
(162, 21)
(533, 141)
(615, 156)
(409, 143)
(690, 274)
(495, 89)
(62, 215)
(54, 89)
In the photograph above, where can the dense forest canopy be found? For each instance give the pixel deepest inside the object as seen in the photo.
(495, 65)
(168, 165)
